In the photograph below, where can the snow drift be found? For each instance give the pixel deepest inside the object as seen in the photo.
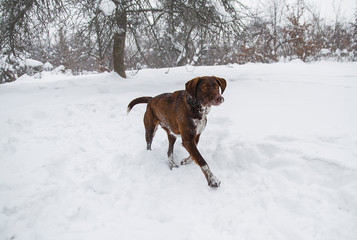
(73, 164)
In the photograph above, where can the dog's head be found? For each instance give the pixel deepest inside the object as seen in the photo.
(206, 90)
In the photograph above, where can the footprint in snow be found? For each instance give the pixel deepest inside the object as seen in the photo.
(280, 138)
(269, 150)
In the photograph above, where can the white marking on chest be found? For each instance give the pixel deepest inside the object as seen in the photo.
(200, 124)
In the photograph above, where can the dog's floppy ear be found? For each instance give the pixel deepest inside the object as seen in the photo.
(222, 83)
(191, 86)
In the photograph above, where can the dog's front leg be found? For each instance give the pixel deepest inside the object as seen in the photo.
(191, 147)
(189, 159)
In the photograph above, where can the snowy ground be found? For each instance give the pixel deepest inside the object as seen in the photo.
(73, 164)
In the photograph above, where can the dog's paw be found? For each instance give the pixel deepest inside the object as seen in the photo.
(214, 182)
(186, 161)
(172, 163)
(211, 179)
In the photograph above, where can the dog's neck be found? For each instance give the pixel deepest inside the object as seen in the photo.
(193, 102)
(196, 107)
(205, 110)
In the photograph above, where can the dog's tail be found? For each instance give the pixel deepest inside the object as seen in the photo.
(137, 101)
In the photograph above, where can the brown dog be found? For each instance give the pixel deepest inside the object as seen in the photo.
(184, 113)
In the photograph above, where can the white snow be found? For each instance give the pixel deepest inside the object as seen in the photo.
(74, 165)
(47, 66)
(107, 7)
(31, 63)
(325, 51)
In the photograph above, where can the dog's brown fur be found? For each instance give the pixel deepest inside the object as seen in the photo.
(184, 113)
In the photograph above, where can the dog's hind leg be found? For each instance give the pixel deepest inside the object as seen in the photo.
(150, 122)
(170, 152)
(186, 161)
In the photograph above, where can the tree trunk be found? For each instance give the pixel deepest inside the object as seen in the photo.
(119, 43)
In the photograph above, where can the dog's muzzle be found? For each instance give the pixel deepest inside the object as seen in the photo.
(218, 100)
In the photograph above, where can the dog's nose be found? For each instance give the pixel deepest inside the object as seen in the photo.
(219, 99)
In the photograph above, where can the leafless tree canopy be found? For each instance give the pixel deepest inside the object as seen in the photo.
(104, 35)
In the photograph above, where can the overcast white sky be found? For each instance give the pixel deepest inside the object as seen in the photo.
(327, 8)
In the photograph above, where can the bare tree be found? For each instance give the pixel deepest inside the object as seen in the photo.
(20, 21)
(191, 27)
(187, 25)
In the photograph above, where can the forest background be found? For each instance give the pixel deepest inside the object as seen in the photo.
(104, 35)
